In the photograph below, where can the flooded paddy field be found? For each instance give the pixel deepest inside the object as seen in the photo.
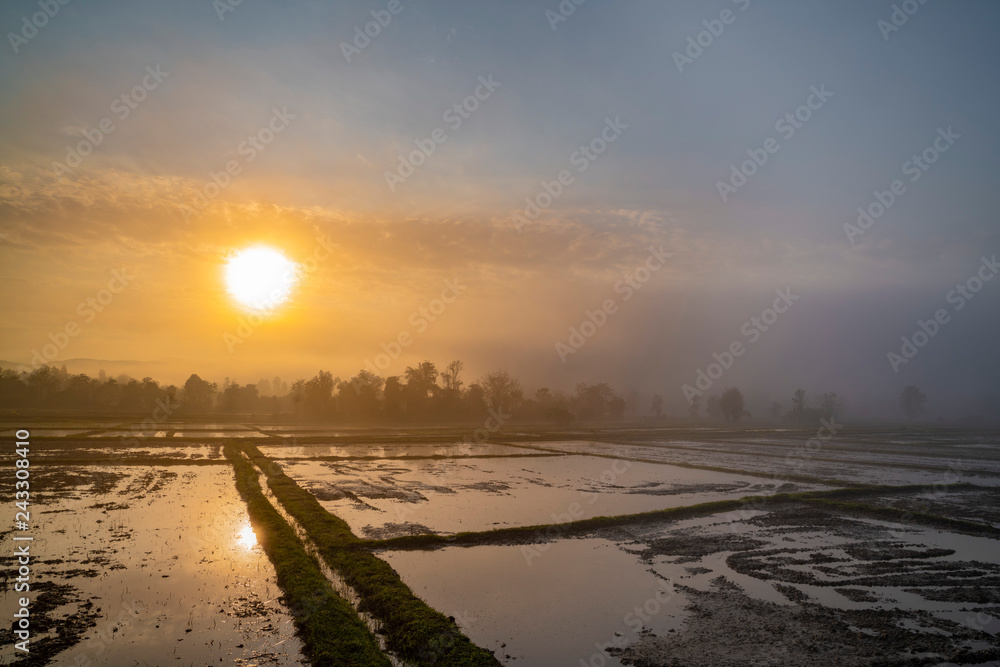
(633, 546)
(385, 498)
(148, 565)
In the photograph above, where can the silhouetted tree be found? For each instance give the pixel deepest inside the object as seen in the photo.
(694, 410)
(198, 394)
(712, 407)
(449, 379)
(658, 405)
(832, 405)
(731, 404)
(317, 396)
(913, 401)
(361, 398)
(392, 399)
(421, 384)
(501, 392)
(798, 403)
(633, 404)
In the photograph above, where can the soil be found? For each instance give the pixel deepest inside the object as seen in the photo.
(728, 628)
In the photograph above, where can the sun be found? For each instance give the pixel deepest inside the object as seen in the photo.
(260, 278)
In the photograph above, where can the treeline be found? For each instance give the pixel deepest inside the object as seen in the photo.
(420, 394)
(730, 407)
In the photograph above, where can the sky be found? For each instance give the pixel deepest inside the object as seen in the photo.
(156, 140)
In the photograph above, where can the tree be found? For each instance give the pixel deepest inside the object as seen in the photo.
(712, 407)
(596, 402)
(913, 401)
(360, 398)
(501, 392)
(422, 380)
(775, 410)
(633, 404)
(392, 399)
(198, 394)
(694, 410)
(832, 405)
(421, 384)
(317, 395)
(798, 403)
(450, 377)
(731, 404)
(658, 405)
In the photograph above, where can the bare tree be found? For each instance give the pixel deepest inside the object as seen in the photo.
(501, 392)
(450, 377)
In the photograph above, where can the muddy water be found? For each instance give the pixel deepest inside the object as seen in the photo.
(538, 607)
(166, 565)
(386, 498)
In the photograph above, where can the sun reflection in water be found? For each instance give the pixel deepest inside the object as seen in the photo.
(247, 538)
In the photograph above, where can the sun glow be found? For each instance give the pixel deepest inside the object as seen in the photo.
(260, 278)
(247, 538)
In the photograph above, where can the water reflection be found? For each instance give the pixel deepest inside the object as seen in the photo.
(247, 538)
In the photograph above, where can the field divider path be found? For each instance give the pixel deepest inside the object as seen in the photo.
(806, 479)
(331, 631)
(414, 631)
(831, 499)
(877, 464)
(425, 457)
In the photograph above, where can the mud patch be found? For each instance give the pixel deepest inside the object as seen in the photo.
(728, 628)
(387, 530)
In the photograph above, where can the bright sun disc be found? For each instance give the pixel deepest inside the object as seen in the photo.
(260, 278)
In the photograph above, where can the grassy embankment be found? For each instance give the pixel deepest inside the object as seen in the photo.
(414, 631)
(331, 630)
